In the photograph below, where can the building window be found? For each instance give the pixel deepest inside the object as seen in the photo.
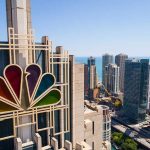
(44, 137)
(42, 120)
(93, 127)
(92, 145)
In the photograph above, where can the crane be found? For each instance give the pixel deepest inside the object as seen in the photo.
(113, 99)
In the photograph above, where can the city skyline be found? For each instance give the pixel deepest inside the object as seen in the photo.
(42, 93)
(124, 28)
(50, 98)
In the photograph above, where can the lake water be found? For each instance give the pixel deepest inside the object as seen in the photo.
(98, 61)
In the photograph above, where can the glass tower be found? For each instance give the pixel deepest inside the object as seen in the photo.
(136, 89)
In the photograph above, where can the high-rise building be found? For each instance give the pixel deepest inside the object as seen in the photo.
(77, 99)
(86, 81)
(112, 78)
(91, 73)
(34, 87)
(91, 61)
(148, 104)
(120, 62)
(136, 84)
(86, 121)
(93, 78)
(18, 18)
(41, 91)
(106, 59)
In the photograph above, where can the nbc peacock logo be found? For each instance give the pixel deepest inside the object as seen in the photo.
(23, 90)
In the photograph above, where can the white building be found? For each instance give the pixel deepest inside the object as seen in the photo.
(112, 78)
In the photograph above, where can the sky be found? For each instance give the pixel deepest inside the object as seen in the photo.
(91, 27)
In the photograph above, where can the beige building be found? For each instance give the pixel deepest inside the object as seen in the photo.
(42, 98)
(93, 126)
(87, 121)
(19, 19)
(120, 62)
(97, 126)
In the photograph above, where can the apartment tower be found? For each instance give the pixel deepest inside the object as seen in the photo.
(120, 62)
(106, 59)
(91, 73)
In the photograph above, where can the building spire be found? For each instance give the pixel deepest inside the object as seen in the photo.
(19, 15)
(19, 19)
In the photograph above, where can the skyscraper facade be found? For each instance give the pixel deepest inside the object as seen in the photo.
(34, 87)
(136, 89)
(91, 72)
(91, 61)
(19, 19)
(12, 19)
(92, 76)
(148, 104)
(41, 90)
(86, 81)
(106, 59)
(112, 78)
(120, 62)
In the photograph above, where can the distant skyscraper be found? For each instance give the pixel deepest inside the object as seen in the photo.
(93, 77)
(86, 82)
(112, 78)
(120, 61)
(148, 105)
(106, 59)
(91, 61)
(136, 83)
(92, 73)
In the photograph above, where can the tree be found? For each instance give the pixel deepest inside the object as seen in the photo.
(118, 103)
(117, 138)
(129, 144)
